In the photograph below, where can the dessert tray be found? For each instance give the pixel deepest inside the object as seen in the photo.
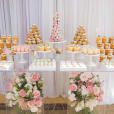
(6, 65)
(43, 65)
(72, 66)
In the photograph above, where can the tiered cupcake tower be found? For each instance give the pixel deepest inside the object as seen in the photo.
(80, 37)
(34, 36)
(106, 46)
(56, 34)
(6, 44)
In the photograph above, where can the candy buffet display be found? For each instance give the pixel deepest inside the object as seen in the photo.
(73, 48)
(106, 46)
(9, 41)
(90, 51)
(43, 47)
(34, 36)
(72, 65)
(85, 92)
(26, 92)
(43, 65)
(56, 33)
(80, 37)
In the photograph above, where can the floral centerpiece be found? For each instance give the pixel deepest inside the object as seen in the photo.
(26, 91)
(85, 92)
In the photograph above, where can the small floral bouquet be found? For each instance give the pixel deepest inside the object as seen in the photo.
(85, 92)
(26, 90)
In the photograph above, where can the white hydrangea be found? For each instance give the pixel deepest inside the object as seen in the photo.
(84, 92)
(19, 84)
(9, 96)
(29, 92)
(29, 86)
(34, 109)
(10, 103)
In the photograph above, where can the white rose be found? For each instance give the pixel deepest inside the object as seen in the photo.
(34, 109)
(9, 96)
(35, 88)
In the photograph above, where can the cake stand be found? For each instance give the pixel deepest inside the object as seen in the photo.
(21, 63)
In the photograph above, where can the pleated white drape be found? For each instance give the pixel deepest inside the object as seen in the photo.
(16, 16)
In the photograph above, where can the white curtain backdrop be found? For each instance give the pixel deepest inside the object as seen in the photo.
(16, 16)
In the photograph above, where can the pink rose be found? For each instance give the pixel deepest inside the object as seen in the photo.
(73, 87)
(83, 77)
(35, 77)
(74, 74)
(96, 91)
(38, 101)
(16, 80)
(20, 100)
(24, 106)
(101, 92)
(10, 87)
(100, 99)
(89, 76)
(36, 93)
(72, 97)
(90, 89)
(89, 84)
(22, 93)
(30, 103)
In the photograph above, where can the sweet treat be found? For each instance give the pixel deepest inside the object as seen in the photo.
(102, 58)
(3, 57)
(1, 44)
(9, 38)
(98, 39)
(99, 44)
(80, 37)
(56, 33)
(3, 38)
(58, 50)
(112, 46)
(109, 57)
(111, 39)
(1, 51)
(21, 48)
(16, 39)
(102, 51)
(113, 52)
(106, 46)
(43, 47)
(33, 36)
(40, 48)
(8, 44)
(90, 51)
(107, 51)
(104, 39)
(74, 48)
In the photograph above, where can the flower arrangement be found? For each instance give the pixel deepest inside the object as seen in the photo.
(26, 90)
(85, 92)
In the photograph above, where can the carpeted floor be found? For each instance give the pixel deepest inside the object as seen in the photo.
(57, 106)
